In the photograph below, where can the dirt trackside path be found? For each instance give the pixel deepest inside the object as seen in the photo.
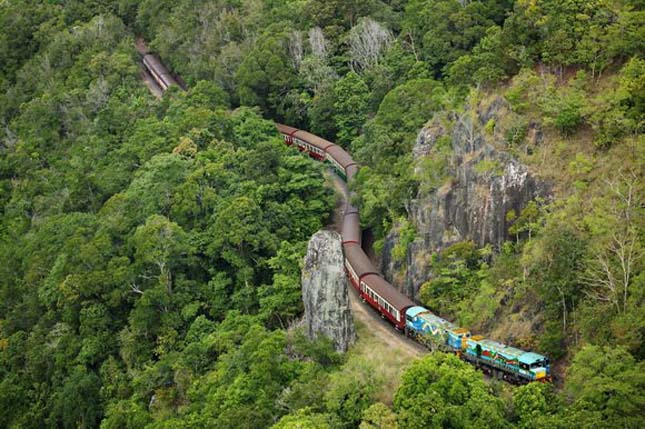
(383, 330)
(377, 327)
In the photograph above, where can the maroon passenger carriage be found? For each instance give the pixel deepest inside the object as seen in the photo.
(287, 133)
(315, 146)
(357, 264)
(381, 295)
(373, 288)
(351, 231)
(161, 75)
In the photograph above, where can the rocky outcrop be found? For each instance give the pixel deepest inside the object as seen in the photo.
(483, 183)
(324, 291)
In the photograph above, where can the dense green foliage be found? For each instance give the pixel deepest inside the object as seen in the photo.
(603, 389)
(353, 71)
(150, 249)
(146, 246)
(441, 391)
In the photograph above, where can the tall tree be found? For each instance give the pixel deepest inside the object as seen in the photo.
(350, 106)
(440, 391)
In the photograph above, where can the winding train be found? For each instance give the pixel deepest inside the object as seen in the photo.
(417, 322)
(506, 362)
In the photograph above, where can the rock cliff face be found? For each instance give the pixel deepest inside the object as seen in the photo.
(483, 183)
(324, 291)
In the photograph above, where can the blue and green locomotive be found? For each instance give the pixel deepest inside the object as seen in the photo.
(505, 362)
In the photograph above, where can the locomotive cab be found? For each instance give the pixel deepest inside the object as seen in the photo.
(535, 366)
(456, 338)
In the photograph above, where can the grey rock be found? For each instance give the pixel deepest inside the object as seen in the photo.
(473, 204)
(324, 291)
(427, 139)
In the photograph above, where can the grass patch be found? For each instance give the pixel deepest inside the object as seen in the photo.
(489, 166)
(387, 363)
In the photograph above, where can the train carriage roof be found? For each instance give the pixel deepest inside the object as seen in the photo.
(151, 61)
(339, 154)
(335, 151)
(285, 129)
(358, 260)
(388, 292)
(351, 171)
(313, 139)
(351, 228)
(350, 208)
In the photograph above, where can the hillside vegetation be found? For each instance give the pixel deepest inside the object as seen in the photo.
(150, 249)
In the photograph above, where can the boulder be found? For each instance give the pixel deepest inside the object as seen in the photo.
(324, 291)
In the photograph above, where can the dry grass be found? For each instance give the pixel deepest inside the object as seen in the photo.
(388, 363)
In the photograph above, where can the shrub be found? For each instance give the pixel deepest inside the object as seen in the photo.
(516, 133)
(489, 166)
(564, 111)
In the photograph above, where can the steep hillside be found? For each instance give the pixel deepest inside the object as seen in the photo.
(528, 220)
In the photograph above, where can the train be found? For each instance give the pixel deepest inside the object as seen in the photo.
(421, 324)
(159, 73)
(500, 360)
